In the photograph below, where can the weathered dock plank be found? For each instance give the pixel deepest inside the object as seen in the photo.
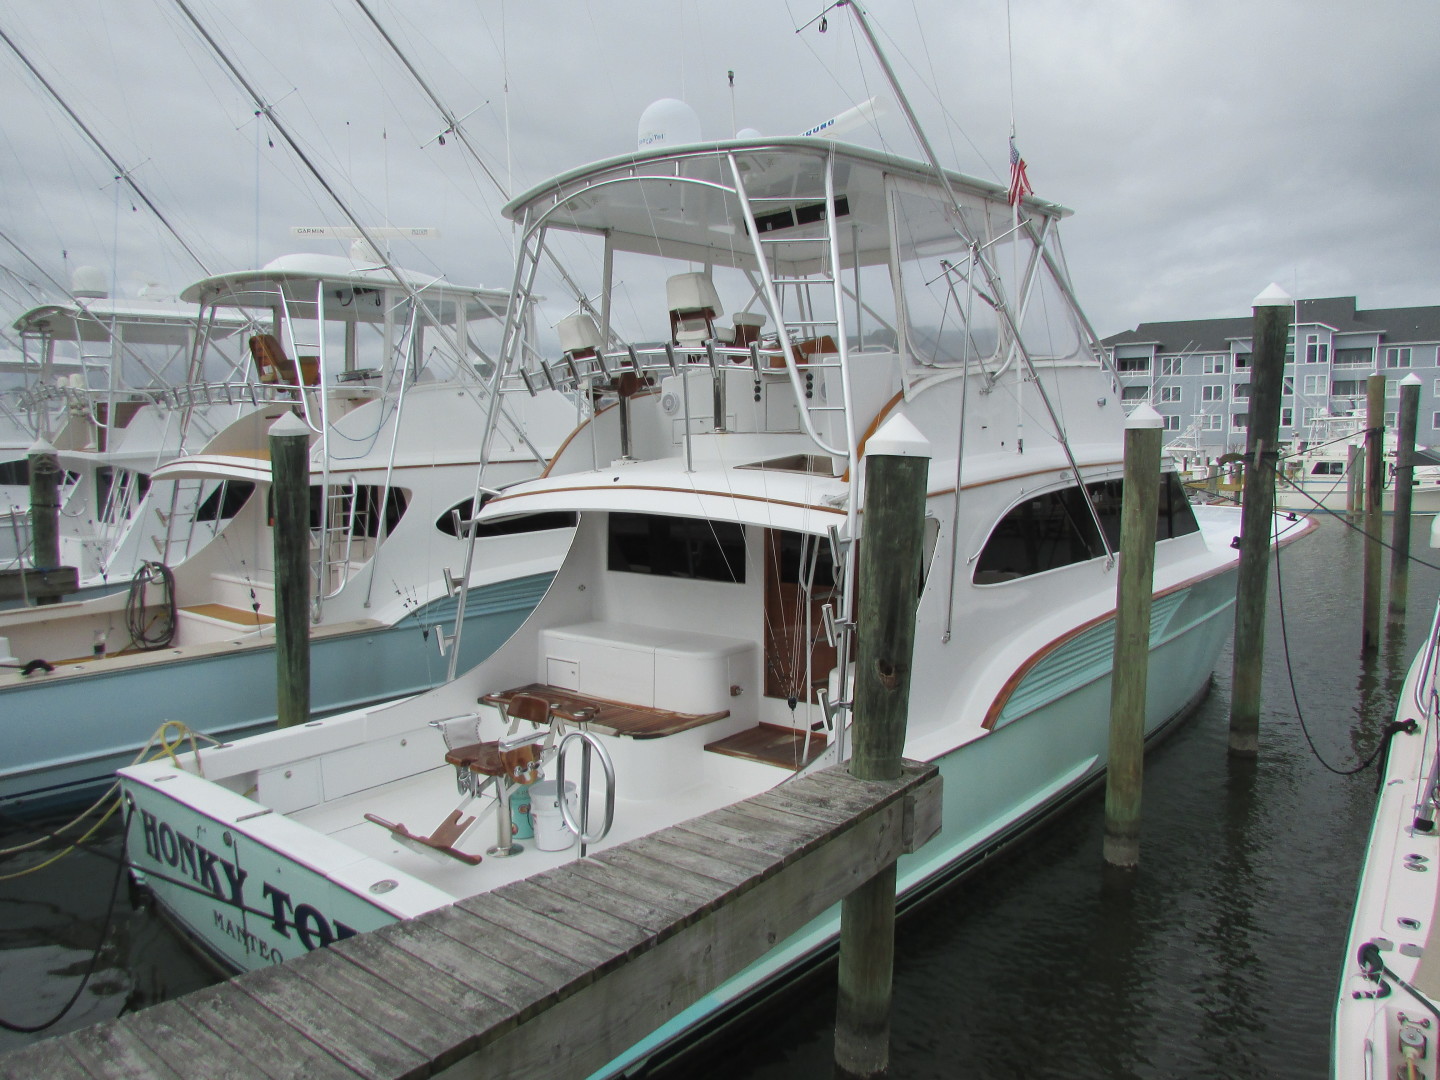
(555, 975)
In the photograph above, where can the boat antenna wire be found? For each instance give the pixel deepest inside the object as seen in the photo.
(267, 110)
(996, 286)
(121, 173)
(454, 126)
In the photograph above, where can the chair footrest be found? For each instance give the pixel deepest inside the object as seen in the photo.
(441, 840)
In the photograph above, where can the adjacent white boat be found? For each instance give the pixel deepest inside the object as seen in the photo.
(391, 391)
(1386, 1020)
(1316, 476)
(688, 633)
(113, 394)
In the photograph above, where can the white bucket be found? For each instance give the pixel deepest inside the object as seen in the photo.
(551, 832)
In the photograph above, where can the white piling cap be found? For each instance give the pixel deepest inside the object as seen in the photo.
(1273, 296)
(1144, 417)
(40, 446)
(289, 424)
(898, 437)
(1410, 380)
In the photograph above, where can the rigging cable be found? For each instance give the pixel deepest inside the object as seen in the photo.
(31, 1029)
(1387, 730)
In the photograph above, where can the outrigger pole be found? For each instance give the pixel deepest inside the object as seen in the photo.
(996, 286)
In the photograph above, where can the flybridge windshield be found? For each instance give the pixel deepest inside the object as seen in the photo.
(943, 286)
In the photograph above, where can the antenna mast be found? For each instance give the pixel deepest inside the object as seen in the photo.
(121, 173)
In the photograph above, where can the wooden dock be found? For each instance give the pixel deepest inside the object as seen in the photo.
(552, 976)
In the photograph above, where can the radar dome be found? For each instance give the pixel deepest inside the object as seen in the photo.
(747, 133)
(89, 283)
(668, 122)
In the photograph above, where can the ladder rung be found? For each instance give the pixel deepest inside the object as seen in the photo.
(806, 199)
(811, 322)
(802, 281)
(825, 408)
(766, 238)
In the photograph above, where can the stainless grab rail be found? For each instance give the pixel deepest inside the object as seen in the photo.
(588, 741)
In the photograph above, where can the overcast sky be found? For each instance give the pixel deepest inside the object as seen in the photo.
(1207, 147)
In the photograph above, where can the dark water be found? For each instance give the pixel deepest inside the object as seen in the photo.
(1221, 962)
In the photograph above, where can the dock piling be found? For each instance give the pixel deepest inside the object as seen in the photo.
(290, 492)
(44, 512)
(1374, 505)
(1404, 495)
(1272, 316)
(1354, 483)
(897, 470)
(1124, 779)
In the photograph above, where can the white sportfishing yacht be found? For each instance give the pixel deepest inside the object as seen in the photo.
(108, 388)
(387, 375)
(764, 306)
(1386, 1020)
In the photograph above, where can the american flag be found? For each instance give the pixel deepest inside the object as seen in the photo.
(1019, 182)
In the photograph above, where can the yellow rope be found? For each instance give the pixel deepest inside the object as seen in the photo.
(66, 851)
(163, 735)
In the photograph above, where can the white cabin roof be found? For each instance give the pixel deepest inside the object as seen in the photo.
(298, 275)
(680, 196)
(87, 319)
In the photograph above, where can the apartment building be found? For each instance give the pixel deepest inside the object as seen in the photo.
(1196, 373)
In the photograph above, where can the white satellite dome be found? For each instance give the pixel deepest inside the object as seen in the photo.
(668, 122)
(89, 283)
(748, 133)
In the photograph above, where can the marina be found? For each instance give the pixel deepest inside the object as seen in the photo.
(1230, 944)
(736, 644)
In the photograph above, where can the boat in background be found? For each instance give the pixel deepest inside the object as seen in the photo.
(699, 636)
(385, 384)
(1316, 474)
(114, 393)
(1386, 1017)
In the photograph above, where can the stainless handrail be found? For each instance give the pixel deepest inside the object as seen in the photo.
(587, 740)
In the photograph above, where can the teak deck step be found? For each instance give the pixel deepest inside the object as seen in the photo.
(772, 744)
(609, 717)
(225, 613)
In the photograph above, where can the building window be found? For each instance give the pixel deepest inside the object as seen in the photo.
(1134, 393)
(1240, 421)
(1392, 388)
(1130, 364)
(1287, 417)
(1316, 351)
(1307, 416)
(1240, 391)
(1242, 361)
(1171, 365)
(1355, 388)
(1437, 387)
(1435, 421)
(1172, 423)
(1214, 365)
(1170, 394)
(1315, 385)
(1211, 422)
(1287, 387)
(1354, 358)
(1212, 392)
(1392, 419)
(1398, 357)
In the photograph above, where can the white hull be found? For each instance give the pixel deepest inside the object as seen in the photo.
(1376, 1018)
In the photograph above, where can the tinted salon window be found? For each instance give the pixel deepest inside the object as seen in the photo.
(677, 547)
